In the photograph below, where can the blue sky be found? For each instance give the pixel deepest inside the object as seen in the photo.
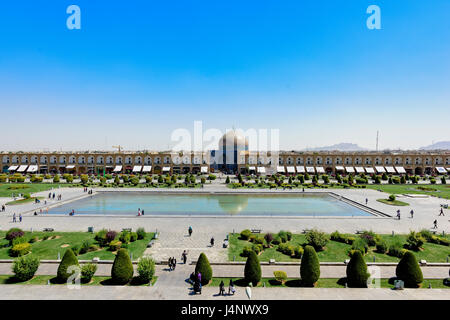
(138, 70)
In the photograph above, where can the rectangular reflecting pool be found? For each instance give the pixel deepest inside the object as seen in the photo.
(276, 205)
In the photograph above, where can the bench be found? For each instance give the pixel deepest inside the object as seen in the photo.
(433, 231)
(225, 244)
(359, 232)
(306, 230)
(445, 206)
(49, 229)
(150, 244)
(126, 229)
(256, 230)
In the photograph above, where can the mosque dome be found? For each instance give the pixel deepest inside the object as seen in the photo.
(233, 139)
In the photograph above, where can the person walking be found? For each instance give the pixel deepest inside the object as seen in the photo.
(174, 263)
(435, 224)
(142, 211)
(221, 288)
(190, 231)
(442, 212)
(212, 242)
(20, 217)
(367, 200)
(14, 217)
(184, 256)
(231, 289)
(398, 214)
(412, 214)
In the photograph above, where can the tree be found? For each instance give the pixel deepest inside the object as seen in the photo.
(252, 271)
(204, 268)
(409, 271)
(122, 269)
(357, 274)
(69, 259)
(310, 267)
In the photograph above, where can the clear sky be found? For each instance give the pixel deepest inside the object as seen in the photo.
(137, 70)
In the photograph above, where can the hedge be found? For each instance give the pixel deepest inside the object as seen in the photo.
(24, 268)
(357, 274)
(204, 268)
(310, 267)
(122, 269)
(20, 249)
(409, 271)
(252, 270)
(69, 259)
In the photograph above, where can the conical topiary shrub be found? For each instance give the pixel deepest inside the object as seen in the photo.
(409, 271)
(357, 274)
(310, 267)
(252, 271)
(69, 259)
(122, 269)
(204, 268)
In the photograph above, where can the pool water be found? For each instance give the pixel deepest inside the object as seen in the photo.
(127, 203)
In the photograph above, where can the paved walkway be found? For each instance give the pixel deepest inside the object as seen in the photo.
(429, 272)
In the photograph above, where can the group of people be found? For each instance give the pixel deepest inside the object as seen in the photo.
(15, 218)
(196, 280)
(435, 222)
(172, 263)
(140, 213)
(52, 196)
(231, 288)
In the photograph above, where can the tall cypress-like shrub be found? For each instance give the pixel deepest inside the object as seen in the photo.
(310, 267)
(122, 269)
(252, 271)
(69, 259)
(204, 268)
(357, 274)
(409, 271)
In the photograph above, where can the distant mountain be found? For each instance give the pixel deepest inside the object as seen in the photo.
(338, 147)
(442, 145)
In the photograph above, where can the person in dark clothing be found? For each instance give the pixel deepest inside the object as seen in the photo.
(190, 231)
(222, 288)
(212, 242)
(231, 288)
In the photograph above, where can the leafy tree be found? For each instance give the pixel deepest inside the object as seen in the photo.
(409, 271)
(69, 259)
(252, 270)
(204, 268)
(122, 269)
(357, 274)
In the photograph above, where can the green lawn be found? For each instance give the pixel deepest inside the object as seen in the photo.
(393, 203)
(7, 189)
(43, 280)
(48, 249)
(22, 201)
(321, 283)
(441, 190)
(337, 251)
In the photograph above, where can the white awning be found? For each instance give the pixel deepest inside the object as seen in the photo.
(339, 168)
(380, 169)
(390, 170)
(166, 169)
(310, 169)
(252, 168)
(22, 168)
(280, 169)
(369, 170)
(320, 170)
(205, 169)
(400, 170)
(441, 170)
(261, 169)
(349, 169)
(290, 169)
(13, 168)
(147, 169)
(137, 168)
(71, 166)
(117, 169)
(359, 169)
(300, 169)
(32, 168)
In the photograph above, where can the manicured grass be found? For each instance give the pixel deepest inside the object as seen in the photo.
(441, 190)
(7, 189)
(22, 201)
(393, 203)
(321, 283)
(337, 251)
(43, 280)
(48, 249)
